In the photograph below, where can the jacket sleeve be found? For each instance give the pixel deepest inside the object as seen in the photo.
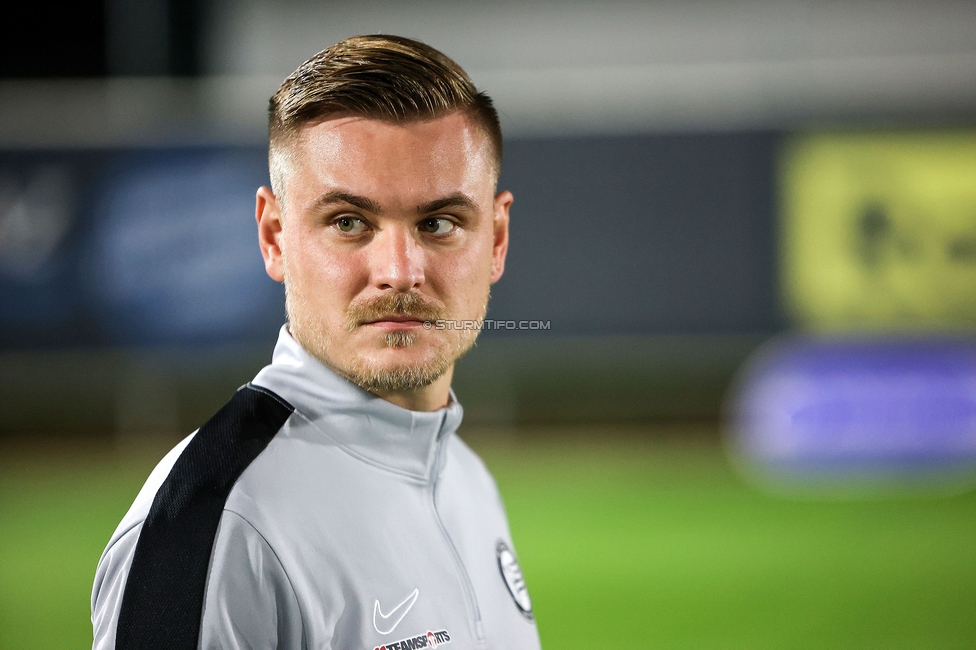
(249, 601)
(110, 578)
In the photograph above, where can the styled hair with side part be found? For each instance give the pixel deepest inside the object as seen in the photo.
(382, 77)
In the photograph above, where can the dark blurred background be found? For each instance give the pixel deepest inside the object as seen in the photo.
(659, 152)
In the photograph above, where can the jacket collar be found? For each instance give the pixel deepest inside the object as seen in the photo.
(366, 426)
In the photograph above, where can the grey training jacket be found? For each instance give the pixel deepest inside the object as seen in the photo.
(309, 513)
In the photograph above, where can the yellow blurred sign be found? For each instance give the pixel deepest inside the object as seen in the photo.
(879, 230)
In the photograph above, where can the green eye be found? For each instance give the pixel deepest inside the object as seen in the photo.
(437, 226)
(350, 224)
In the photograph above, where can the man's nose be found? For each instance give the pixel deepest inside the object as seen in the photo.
(397, 260)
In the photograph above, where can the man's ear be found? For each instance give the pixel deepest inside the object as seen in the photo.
(267, 211)
(503, 202)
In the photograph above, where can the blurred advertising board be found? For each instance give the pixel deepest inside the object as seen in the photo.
(878, 230)
(878, 268)
(141, 247)
(857, 413)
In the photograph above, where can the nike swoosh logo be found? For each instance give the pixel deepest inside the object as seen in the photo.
(382, 621)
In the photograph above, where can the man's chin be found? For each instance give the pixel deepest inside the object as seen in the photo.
(415, 355)
(401, 360)
(401, 373)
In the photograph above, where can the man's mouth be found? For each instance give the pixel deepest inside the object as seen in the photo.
(394, 312)
(396, 321)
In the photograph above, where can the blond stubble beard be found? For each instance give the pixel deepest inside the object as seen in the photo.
(312, 334)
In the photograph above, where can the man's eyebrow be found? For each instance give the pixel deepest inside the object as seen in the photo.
(456, 200)
(340, 196)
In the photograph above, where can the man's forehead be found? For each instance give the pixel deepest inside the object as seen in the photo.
(418, 161)
(454, 134)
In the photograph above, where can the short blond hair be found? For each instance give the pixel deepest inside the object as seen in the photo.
(383, 77)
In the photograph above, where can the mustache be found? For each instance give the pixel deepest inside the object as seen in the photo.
(402, 304)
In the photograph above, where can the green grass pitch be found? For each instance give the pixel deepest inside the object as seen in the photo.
(625, 542)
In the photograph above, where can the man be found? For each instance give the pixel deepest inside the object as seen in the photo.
(329, 503)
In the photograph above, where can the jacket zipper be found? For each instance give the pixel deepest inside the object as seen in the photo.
(474, 612)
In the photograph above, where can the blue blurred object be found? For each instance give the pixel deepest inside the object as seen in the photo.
(857, 411)
(38, 209)
(173, 256)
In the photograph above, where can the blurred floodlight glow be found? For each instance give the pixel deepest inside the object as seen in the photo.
(879, 230)
(837, 414)
(36, 208)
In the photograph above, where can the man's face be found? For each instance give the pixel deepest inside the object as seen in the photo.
(385, 229)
